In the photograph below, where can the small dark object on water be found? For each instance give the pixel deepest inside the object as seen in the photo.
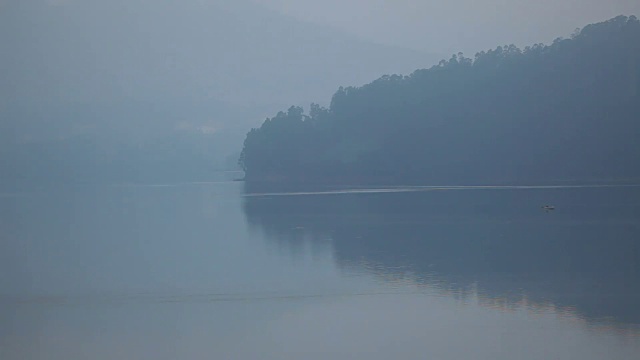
(548, 208)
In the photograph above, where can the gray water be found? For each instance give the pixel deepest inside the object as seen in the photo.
(228, 270)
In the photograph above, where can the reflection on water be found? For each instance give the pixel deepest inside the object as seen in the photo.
(495, 244)
(228, 271)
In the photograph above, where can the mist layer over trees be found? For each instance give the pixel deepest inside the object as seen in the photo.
(148, 91)
(565, 111)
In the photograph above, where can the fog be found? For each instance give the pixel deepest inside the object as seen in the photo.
(138, 71)
(141, 73)
(337, 179)
(448, 27)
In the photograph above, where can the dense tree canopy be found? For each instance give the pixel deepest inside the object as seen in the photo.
(565, 111)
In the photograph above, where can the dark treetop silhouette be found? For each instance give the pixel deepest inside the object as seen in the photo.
(565, 111)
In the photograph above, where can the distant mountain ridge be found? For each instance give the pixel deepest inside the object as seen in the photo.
(565, 111)
(235, 51)
(135, 73)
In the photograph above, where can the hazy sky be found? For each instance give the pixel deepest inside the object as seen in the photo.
(448, 26)
(241, 51)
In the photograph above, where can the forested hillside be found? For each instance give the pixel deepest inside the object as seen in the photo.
(565, 111)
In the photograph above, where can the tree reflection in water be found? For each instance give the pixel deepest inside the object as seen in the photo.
(583, 258)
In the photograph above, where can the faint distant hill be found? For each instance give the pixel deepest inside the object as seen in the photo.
(128, 74)
(565, 111)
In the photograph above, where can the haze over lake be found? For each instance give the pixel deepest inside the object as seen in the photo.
(338, 179)
(229, 270)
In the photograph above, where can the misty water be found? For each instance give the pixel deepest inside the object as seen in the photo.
(228, 270)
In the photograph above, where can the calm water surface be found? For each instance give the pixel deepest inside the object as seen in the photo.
(228, 270)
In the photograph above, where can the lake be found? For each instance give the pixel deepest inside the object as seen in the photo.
(228, 270)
